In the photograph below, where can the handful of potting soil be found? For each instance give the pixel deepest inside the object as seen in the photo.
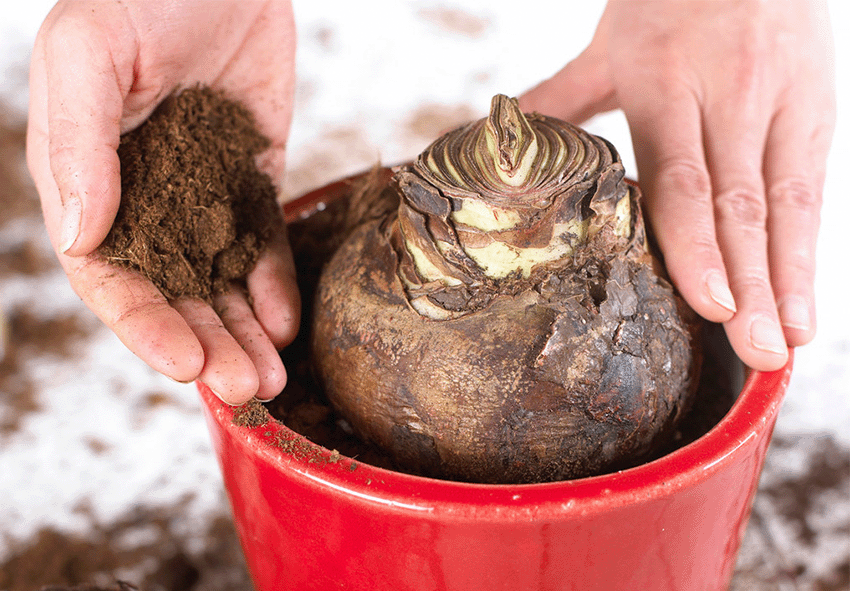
(504, 322)
(195, 211)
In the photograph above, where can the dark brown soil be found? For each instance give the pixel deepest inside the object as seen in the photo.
(251, 415)
(29, 337)
(25, 259)
(795, 497)
(18, 200)
(64, 562)
(119, 586)
(17, 194)
(195, 210)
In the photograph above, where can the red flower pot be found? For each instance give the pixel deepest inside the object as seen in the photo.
(311, 519)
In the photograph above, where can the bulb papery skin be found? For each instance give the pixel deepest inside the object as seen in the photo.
(505, 322)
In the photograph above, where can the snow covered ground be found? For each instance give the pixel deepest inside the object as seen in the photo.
(107, 435)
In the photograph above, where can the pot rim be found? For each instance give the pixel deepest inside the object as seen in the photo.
(304, 460)
(753, 411)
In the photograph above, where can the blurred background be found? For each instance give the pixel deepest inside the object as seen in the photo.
(106, 470)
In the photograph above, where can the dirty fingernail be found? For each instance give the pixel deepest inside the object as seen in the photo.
(794, 313)
(72, 215)
(767, 336)
(719, 291)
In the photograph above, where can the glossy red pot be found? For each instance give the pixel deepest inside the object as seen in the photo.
(310, 519)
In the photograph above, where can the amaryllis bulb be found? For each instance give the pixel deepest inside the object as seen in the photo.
(504, 321)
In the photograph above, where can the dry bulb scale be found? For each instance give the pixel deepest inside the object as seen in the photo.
(495, 313)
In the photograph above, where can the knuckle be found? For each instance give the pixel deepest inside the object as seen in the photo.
(60, 149)
(685, 176)
(755, 50)
(744, 207)
(796, 194)
(76, 28)
(747, 72)
(132, 313)
(703, 246)
(754, 281)
(81, 272)
(799, 267)
(233, 313)
(692, 240)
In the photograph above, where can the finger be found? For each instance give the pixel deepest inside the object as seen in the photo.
(239, 320)
(128, 304)
(734, 142)
(274, 292)
(84, 108)
(228, 370)
(577, 92)
(794, 171)
(269, 40)
(667, 136)
(582, 88)
(138, 314)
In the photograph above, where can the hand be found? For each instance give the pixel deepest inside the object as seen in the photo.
(731, 107)
(98, 70)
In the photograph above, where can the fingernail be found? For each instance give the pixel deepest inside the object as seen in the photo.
(225, 400)
(719, 291)
(794, 313)
(767, 336)
(72, 215)
(176, 381)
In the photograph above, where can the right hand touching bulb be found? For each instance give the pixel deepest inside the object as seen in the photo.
(731, 107)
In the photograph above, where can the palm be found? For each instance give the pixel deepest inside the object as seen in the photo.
(246, 49)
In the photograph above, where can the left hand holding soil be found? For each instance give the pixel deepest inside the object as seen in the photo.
(98, 70)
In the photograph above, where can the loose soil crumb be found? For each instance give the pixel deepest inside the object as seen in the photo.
(456, 21)
(336, 152)
(119, 586)
(195, 211)
(796, 497)
(800, 526)
(252, 414)
(154, 400)
(433, 120)
(54, 335)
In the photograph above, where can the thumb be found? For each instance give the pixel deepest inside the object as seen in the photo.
(84, 105)
(580, 90)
